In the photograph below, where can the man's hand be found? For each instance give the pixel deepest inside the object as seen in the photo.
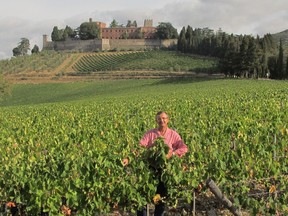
(169, 155)
(125, 161)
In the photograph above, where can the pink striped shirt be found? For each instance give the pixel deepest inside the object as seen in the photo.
(171, 138)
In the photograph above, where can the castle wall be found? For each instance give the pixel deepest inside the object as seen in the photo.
(108, 44)
(141, 43)
(76, 45)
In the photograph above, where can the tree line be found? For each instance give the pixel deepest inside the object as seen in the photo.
(239, 55)
(23, 48)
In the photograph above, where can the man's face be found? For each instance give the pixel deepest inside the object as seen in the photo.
(162, 120)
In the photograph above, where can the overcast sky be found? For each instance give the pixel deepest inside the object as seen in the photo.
(32, 18)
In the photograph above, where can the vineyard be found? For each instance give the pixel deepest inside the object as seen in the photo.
(48, 66)
(71, 153)
(42, 62)
(149, 60)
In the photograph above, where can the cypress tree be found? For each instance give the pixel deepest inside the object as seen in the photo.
(189, 39)
(272, 67)
(181, 44)
(243, 55)
(280, 62)
(252, 56)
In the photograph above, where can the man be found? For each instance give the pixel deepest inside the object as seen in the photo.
(176, 146)
(171, 137)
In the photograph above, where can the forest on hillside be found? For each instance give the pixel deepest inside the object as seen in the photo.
(239, 55)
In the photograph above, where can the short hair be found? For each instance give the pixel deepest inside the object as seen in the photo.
(160, 112)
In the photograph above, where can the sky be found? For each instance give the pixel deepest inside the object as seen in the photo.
(32, 19)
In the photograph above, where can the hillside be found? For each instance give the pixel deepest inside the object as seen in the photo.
(51, 66)
(284, 37)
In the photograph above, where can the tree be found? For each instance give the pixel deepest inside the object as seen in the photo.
(189, 39)
(134, 23)
(35, 49)
(113, 24)
(272, 67)
(248, 55)
(22, 48)
(129, 23)
(166, 31)
(62, 34)
(56, 35)
(280, 62)
(16, 51)
(89, 30)
(181, 41)
(68, 32)
(139, 34)
(227, 62)
(125, 35)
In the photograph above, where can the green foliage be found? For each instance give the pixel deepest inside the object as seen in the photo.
(181, 44)
(147, 60)
(156, 155)
(35, 49)
(89, 30)
(62, 34)
(130, 23)
(74, 149)
(114, 24)
(42, 61)
(240, 55)
(23, 48)
(280, 63)
(166, 31)
(57, 35)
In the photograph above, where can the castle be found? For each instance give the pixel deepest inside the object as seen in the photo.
(112, 39)
(131, 32)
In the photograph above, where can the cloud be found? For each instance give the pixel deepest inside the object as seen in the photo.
(256, 17)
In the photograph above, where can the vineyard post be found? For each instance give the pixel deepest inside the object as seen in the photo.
(233, 144)
(275, 158)
(216, 191)
(274, 153)
(147, 207)
(194, 205)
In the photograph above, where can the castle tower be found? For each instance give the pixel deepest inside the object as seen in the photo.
(45, 40)
(148, 23)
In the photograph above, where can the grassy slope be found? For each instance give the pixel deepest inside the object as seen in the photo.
(61, 67)
(31, 94)
(27, 94)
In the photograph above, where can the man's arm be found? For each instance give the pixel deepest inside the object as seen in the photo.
(180, 148)
(147, 139)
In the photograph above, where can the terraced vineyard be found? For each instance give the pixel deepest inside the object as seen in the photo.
(148, 60)
(46, 61)
(50, 66)
(70, 153)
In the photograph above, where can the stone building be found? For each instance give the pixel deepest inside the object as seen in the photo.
(116, 38)
(133, 32)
